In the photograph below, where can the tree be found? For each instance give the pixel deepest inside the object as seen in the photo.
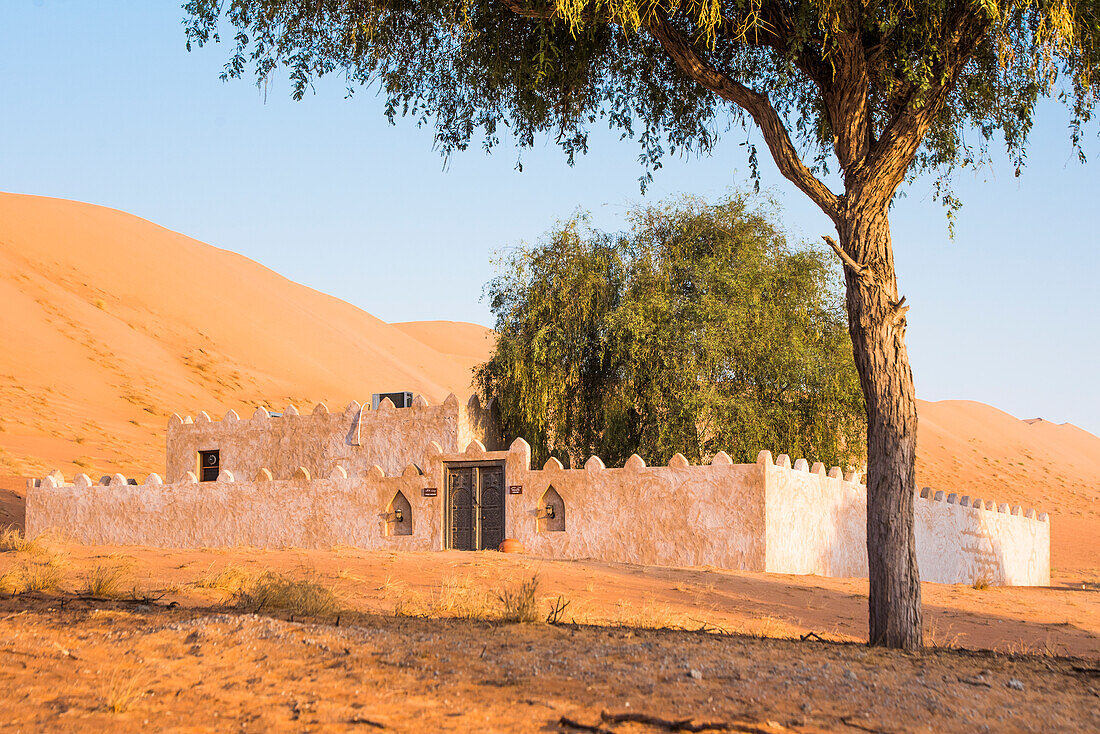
(701, 329)
(876, 89)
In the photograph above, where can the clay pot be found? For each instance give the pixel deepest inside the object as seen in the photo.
(511, 545)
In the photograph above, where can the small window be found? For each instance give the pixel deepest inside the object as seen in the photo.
(209, 465)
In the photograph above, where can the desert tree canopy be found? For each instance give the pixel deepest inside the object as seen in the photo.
(869, 91)
(699, 329)
(834, 83)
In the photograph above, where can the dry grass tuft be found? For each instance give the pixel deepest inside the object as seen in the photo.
(104, 582)
(11, 582)
(13, 539)
(460, 598)
(936, 637)
(646, 616)
(271, 591)
(980, 584)
(457, 597)
(765, 626)
(42, 576)
(520, 603)
(34, 576)
(231, 579)
(123, 690)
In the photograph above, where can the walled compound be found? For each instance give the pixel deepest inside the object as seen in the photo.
(439, 477)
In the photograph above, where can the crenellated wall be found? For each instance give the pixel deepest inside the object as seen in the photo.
(355, 438)
(817, 524)
(675, 515)
(816, 521)
(766, 516)
(300, 512)
(977, 540)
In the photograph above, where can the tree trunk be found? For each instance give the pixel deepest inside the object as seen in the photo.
(876, 320)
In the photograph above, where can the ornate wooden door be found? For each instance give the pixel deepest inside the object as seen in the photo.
(461, 522)
(491, 515)
(475, 507)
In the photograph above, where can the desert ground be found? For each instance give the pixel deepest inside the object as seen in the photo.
(112, 323)
(128, 638)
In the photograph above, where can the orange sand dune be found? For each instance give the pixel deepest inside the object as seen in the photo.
(469, 344)
(110, 323)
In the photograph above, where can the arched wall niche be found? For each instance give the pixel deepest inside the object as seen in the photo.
(551, 512)
(399, 518)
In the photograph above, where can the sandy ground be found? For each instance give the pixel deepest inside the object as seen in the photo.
(1061, 620)
(417, 644)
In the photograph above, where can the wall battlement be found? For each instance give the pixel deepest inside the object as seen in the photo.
(356, 437)
(770, 515)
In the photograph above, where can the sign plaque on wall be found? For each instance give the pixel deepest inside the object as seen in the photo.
(430, 492)
(515, 489)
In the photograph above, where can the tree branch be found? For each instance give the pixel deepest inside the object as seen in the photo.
(886, 164)
(756, 104)
(862, 271)
(524, 11)
(775, 30)
(845, 94)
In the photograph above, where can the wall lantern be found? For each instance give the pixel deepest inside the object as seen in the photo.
(398, 516)
(550, 512)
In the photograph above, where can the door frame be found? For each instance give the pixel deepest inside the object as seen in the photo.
(447, 467)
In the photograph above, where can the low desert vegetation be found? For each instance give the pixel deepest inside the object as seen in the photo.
(461, 597)
(12, 539)
(31, 576)
(123, 689)
(456, 597)
(231, 579)
(937, 637)
(41, 569)
(42, 576)
(519, 602)
(105, 582)
(276, 592)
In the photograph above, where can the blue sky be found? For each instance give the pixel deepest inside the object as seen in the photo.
(102, 103)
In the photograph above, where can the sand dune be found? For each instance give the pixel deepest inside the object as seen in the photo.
(469, 344)
(110, 323)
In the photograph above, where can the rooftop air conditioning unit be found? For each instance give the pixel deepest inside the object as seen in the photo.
(399, 399)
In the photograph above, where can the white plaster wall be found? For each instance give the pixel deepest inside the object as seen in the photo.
(675, 515)
(816, 524)
(763, 516)
(355, 438)
(318, 513)
(961, 545)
